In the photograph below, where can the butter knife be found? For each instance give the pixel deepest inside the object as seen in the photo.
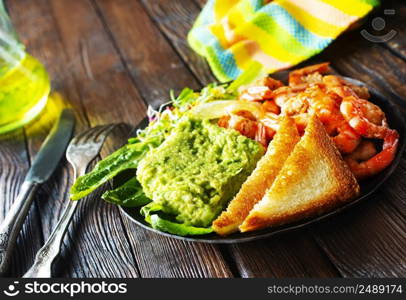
(41, 169)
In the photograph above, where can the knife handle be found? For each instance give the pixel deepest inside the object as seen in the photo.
(11, 226)
(42, 266)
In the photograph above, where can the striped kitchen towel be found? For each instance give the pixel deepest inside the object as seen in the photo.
(237, 36)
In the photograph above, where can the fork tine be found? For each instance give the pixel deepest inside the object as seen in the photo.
(91, 133)
(82, 150)
(101, 135)
(83, 136)
(95, 132)
(77, 138)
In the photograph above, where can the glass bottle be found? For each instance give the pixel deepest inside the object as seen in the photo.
(24, 82)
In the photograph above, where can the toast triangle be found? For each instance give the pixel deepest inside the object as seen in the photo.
(254, 188)
(313, 180)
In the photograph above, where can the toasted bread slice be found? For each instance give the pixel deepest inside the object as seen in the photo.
(313, 180)
(253, 189)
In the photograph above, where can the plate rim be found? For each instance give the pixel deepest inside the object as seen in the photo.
(272, 231)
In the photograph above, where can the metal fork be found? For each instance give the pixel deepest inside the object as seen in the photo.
(80, 153)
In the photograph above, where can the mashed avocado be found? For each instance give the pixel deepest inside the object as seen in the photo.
(197, 170)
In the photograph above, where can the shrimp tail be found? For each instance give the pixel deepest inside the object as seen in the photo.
(378, 162)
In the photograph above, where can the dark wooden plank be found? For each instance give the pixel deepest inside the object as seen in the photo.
(370, 63)
(357, 242)
(96, 245)
(175, 19)
(79, 269)
(14, 164)
(288, 255)
(381, 268)
(151, 60)
(117, 113)
(201, 3)
(396, 188)
(339, 257)
(369, 240)
(396, 22)
(166, 258)
(397, 45)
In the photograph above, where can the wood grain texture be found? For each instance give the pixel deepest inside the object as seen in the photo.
(288, 255)
(101, 78)
(175, 19)
(96, 227)
(108, 59)
(201, 3)
(14, 164)
(396, 22)
(163, 257)
(367, 241)
(396, 189)
(149, 65)
(371, 63)
(358, 241)
(154, 65)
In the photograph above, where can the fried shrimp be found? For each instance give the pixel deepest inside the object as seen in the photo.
(366, 118)
(310, 74)
(261, 90)
(376, 163)
(348, 117)
(347, 140)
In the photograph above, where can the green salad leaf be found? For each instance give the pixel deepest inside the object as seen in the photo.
(124, 158)
(186, 97)
(254, 72)
(176, 228)
(148, 209)
(161, 123)
(151, 213)
(130, 194)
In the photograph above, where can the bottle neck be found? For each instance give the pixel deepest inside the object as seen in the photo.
(12, 51)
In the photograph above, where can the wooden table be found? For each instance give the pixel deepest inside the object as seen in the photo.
(109, 59)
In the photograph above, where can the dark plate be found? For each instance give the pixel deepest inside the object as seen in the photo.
(396, 121)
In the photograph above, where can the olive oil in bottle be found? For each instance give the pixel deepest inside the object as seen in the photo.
(24, 90)
(24, 82)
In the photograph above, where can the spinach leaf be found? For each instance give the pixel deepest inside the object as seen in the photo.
(130, 194)
(162, 122)
(124, 158)
(148, 209)
(150, 212)
(175, 228)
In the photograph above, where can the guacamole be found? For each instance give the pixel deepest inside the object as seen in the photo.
(197, 170)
